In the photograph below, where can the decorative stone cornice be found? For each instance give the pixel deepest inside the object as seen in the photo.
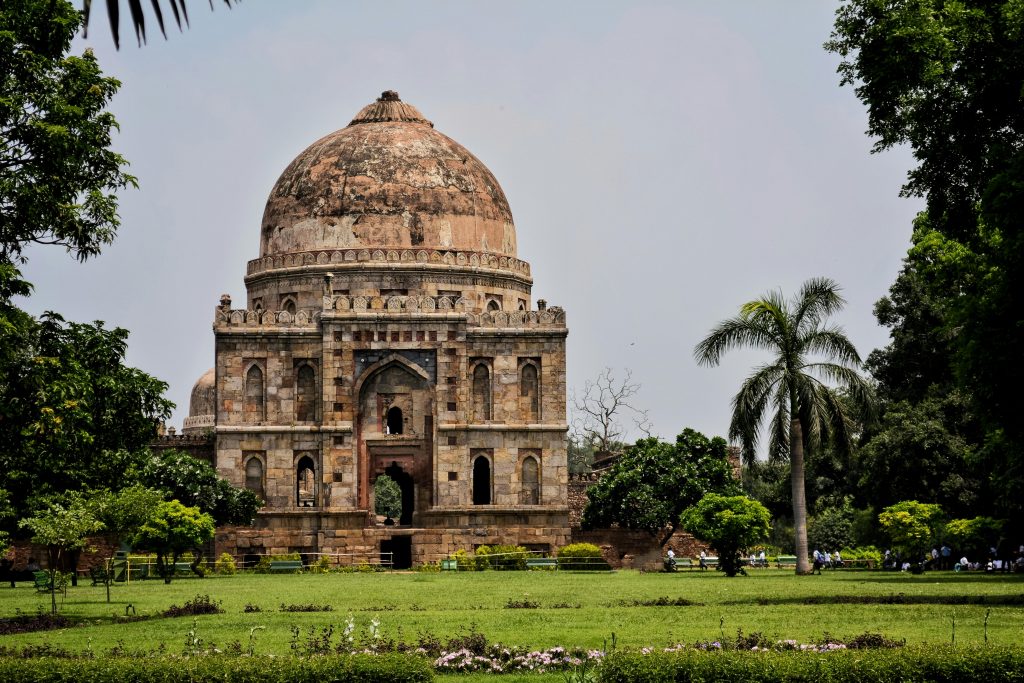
(339, 259)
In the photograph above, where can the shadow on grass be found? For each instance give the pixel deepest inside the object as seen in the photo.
(897, 599)
(943, 577)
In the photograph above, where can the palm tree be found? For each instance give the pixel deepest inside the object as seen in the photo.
(793, 391)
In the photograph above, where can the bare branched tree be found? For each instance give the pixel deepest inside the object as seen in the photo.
(601, 407)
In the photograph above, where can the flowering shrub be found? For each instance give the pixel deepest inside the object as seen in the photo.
(498, 659)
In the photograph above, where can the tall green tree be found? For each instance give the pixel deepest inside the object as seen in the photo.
(792, 393)
(173, 529)
(195, 483)
(944, 78)
(58, 174)
(650, 484)
(74, 416)
(122, 514)
(62, 528)
(730, 524)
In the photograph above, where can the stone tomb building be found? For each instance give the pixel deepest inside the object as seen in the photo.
(388, 328)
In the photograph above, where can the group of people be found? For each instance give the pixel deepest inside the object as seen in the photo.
(944, 558)
(826, 560)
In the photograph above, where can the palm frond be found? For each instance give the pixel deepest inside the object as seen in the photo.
(778, 444)
(178, 9)
(731, 334)
(831, 342)
(817, 299)
(749, 405)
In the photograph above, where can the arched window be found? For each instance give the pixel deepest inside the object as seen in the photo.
(493, 305)
(481, 393)
(481, 481)
(531, 481)
(529, 394)
(289, 305)
(254, 394)
(254, 476)
(305, 394)
(305, 479)
(394, 422)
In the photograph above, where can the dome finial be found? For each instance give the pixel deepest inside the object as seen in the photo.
(389, 108)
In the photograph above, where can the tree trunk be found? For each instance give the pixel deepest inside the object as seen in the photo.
(796, 466)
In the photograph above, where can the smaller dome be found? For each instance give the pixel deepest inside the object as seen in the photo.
(202, 406)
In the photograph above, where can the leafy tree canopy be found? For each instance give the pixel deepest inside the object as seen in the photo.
(912, 526)
(72, 414)
(62, 527)
(654, 481)
(58, 174)
(926, 451)
(172, 530)
(944, 77)
(387, 497)
(195, 483)
(730, 524)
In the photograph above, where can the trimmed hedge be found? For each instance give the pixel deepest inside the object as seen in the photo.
(581, 556)
(333, 669)
(933, 664)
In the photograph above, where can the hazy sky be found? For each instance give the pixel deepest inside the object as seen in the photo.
(664, 162)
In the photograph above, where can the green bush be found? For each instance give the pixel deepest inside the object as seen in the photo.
(465, 561)
(579, 556)
(841, 666)
(225, 564)
(503, 557)
(337, 669)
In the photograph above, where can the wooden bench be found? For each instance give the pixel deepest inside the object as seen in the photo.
(785, 561)
(280, 566)
(542, 563)
(449, 565)
(684, 563)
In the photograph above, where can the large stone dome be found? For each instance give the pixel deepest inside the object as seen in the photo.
(387, 180)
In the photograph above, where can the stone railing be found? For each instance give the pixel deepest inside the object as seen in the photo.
(394, 305)
(250, 318)
(469, 259)
(199, 421)
(549, 317)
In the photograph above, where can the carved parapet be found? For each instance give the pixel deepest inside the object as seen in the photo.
(199, 422)
(395, 304)
(550, 317)
(427, 257)
(250, 318)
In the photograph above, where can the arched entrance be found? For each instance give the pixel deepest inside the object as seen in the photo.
(405, 484)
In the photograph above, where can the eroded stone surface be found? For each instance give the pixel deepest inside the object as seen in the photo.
(388, 179)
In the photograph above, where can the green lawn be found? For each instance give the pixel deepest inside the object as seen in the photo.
(576, 609)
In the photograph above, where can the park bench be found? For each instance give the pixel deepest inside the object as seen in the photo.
(449, 565)
(42, 580)
(281, 566)
(711, 562)
(785, 561)
(684, 563)
(542, 563)
(99, 575)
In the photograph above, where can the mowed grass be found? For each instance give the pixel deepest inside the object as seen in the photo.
(576, 609)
